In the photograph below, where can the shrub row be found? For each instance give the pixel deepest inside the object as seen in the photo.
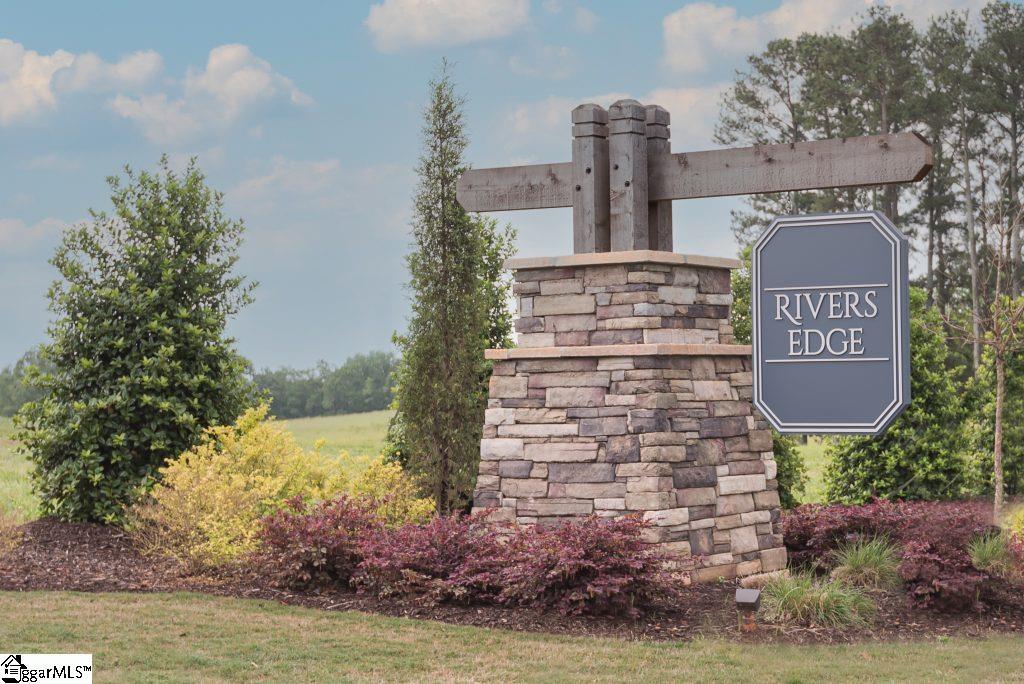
(593, 565)
(207, 508)
(934, 540)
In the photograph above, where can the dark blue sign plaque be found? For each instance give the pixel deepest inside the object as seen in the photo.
(831, 334)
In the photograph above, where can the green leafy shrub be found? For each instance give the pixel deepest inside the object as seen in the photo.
(870, 563)
(921, 455)
(803, 599)
(980, 426)
(206, 510)
(139, 361)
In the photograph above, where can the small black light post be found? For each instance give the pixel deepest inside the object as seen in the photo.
(748, 601)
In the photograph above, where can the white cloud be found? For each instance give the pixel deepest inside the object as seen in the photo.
(234, 82)
(32, 83)
(699, 34)
(16, 235)
(289, 179)
(404, 24)
(584, 20)
(548, 61)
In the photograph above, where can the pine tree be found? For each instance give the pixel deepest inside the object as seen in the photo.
(458, 310)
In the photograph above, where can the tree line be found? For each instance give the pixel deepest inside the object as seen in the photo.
(362, 383)
(959, 82)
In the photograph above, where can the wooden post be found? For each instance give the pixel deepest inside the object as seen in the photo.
(590, 222)
(659, 214)
(627, 148)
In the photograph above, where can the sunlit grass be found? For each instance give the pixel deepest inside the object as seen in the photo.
(189, 637)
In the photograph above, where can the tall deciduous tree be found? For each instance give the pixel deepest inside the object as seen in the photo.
(140, 361)
(458, 308)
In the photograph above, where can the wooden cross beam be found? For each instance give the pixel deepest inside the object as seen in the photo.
(623, 176)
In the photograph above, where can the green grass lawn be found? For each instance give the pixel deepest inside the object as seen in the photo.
(814, 458)
(177, 637)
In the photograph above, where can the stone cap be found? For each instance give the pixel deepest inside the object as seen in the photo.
(623, 257)
(619, 350)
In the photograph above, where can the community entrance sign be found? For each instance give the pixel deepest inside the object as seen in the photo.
(830, 328)
(627, 393)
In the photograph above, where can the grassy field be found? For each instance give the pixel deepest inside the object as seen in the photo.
(360, 435)
(814, 458)
(175, 637)
(357, 433)
(16, 497)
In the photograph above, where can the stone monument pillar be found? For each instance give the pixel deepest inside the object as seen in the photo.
(626, 395)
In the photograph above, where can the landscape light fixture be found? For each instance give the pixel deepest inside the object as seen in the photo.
(748, 601)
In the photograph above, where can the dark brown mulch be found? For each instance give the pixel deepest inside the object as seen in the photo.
(94, 558)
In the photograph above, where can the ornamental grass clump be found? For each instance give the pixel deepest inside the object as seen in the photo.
(868, 563)
(804, 599)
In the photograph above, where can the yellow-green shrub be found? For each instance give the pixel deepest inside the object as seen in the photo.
(206, 509)
(1014, 522)
(395, 496)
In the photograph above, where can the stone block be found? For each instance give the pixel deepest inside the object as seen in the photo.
(572, 339)
(773, 559)
(485, 482)
(649, 484)
(613, 425)
(739, 484)
(540, 415)
(486, 499)
(615, 504)
(767, 500)
(723, 427)
(560, 507)
(631, 323)
(714, 280)
(668, 517)
(614, 311)
(564, 286)
(563, 452)
(679, 549)
(499, 416)
(760, 440)
(622, 449)
(643, 470)
(647, 309)
(560, 397)
(649, 501)
(507, 387)
(539, 430)
(519, 469)
(747, 467)
(756, 517)
(664, 454)
(648, 420)
(662, 439)
(690, 477)
(743, 540)
(771, 469)
(677, 295)
(595, 490)
(700, 496)
(646, 277)
(529, 325)
(581, 472)
(523, 488)
(501, 448)
(605, 275)
(705, 390)
(570, 379)
(701, 541)
(554, 305)
(751, 567)
(538, 339)
(599, 337)
(570, 323)
(734, 504)
(731, 408)
(673, 336)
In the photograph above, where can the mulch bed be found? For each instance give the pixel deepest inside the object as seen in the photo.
(52, 555)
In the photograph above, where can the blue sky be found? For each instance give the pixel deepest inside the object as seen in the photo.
(307, 115)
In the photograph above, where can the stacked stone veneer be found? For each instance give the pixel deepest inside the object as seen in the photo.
(627, 396)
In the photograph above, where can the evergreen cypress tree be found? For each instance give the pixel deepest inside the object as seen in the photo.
(458, 310)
